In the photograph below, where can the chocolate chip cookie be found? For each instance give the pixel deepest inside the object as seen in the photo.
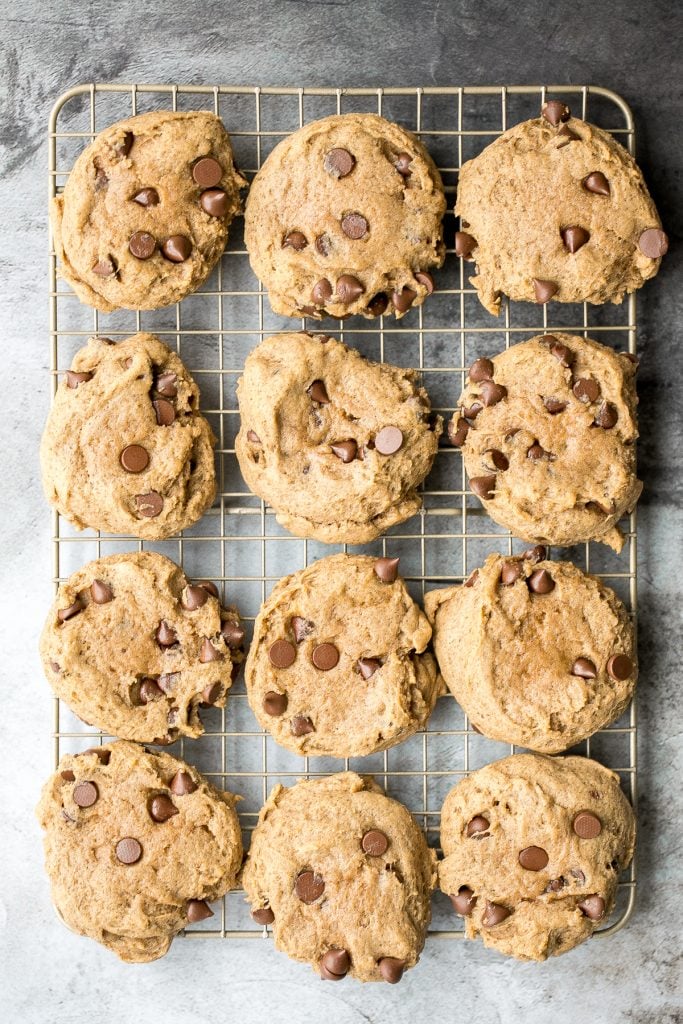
(344, 877)
(344, 217)
(336, 444)
(136, 844)
(134, 649)
(144, 215)
(536, 652)
(556, 208)
(337, 664)
(533, 848)
(125, 448)
(548, 432)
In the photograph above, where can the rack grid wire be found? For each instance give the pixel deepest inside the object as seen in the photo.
(238, 543)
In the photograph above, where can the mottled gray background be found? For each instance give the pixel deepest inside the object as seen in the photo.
(48, 974)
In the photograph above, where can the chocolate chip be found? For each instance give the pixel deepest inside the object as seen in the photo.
(555, 111)
(536, 554)
(211, 693)
(334, 965)
(483, 486)
(274, 703)
(653, 243)
(168, 681)
(564, 355)
(497, 459)
(464, 901)
(124, 147)
(322, 291)
(388, 440)
(586, 389)
(323, 244)
(232, 633)
(101, 179)
(193, 597)
(391, 969)
(149, 690)
(566, 135)
(620, 666)
(207, 172)
(578, 875)
(386, 569)
(146, 197)
(426, 280)
(541, 582)
(164, 412)
(85, 794)
(349, 288)
(198, 910)
(74, 378)
(54, 665)
(554, 406)
(597, 183)
(309, 887)
(366, 667)
(492, 393)
(464, 244)
(494, 914)
(103, 756)
(105, 267)
(593, 907)
(142, 244)
(378, 304)
(318, 392)
(375, 843)
(210, 587)
(587, 825)
(301, 726)
(472, 411)
(457, 431)
(544, 290)
(161, 808)
(301, 628)
(101, 592)
(480, 370)
(165, 384)
(536, 452)
(345, 450)
(128, 850)
(263, 915)
(307, 310)
(584, 668)
(282, 654)
(182, 784)
(64, 614)
(555, 885)
(574, 237)
(325, 657)
(67, 775)
(177, 248)
(295, 240)
(510, 573)
(149, 505)
(354, 225)
(533, 858)
(476, 826)
(339, 163)
(134, 458)
(607, 416)
(208, 653)
(404, 299)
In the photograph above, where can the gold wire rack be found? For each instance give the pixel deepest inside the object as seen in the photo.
(238, 543)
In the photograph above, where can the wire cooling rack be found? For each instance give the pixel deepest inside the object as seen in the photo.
(238, 543)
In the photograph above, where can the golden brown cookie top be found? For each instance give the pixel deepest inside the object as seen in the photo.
(344, 876)
(344, 218)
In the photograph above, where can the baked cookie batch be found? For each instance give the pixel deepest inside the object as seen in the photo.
(345, 218)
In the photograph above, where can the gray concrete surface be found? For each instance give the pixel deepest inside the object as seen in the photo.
(49, 975)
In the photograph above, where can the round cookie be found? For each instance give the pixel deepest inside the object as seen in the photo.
(336, 444)
(533, 847)
(344, 217)
(556, 208)
(537, 653)
(135, 650)
(547, 430)
(144, 215)
(125, 449)
(337, 665)
(135, 844)
(344, 877)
